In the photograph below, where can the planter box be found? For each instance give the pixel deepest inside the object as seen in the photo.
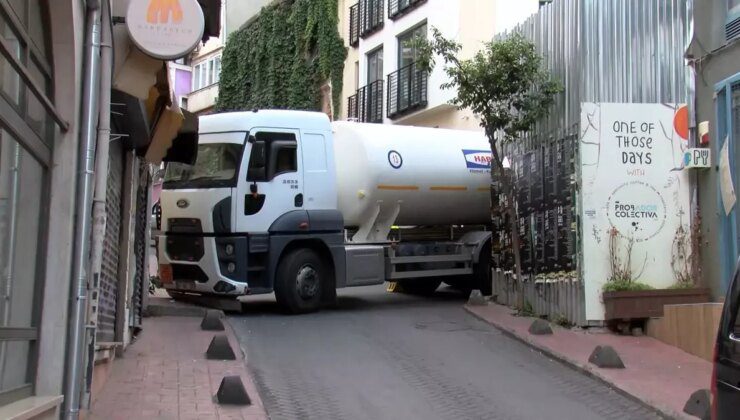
(649, 303)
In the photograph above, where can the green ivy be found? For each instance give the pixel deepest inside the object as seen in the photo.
(281, 59)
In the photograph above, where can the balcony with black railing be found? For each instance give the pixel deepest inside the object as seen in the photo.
(367, 104)
(407, 90)
(398, 8)
(354, 25)
(371, 16)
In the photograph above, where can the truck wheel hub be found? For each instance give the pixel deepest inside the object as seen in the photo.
(307, 282)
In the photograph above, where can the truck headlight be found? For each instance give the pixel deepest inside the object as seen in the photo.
(231, 267)
(229, 249)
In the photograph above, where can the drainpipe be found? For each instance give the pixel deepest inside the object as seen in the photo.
(694, 208)
(86, 165)
(99, 212)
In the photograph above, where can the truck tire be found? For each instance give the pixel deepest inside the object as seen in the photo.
(300, 278)
(421, 287)
(482, 272)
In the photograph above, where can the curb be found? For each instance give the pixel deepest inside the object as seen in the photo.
(241, 355)
(583, 368)
(174, 310)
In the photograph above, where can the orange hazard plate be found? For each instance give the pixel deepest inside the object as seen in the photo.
(165, 273)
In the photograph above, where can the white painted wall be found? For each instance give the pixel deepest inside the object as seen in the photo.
(442, 14)
(469, 22)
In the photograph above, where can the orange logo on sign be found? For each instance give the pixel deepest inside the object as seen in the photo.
(159, 11)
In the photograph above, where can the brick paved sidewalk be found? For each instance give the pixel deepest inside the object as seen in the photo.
(659, 375)
(165, 375)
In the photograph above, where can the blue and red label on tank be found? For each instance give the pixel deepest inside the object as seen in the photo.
(477, 159)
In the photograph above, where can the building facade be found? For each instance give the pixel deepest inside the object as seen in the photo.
(714, 56)
(382, 83)
(84, 116)
(196, 78)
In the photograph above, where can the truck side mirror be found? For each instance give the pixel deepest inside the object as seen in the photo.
(257, 170)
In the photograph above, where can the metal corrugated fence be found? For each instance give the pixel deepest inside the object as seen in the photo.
(601, 51)
(609, 51)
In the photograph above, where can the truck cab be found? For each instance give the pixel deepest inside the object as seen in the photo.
(261, 181)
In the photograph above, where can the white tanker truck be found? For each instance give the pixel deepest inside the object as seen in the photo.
(291, 203)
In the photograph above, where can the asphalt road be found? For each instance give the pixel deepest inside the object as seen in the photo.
(391, 356)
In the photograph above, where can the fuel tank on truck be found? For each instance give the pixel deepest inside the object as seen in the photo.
(411, 176)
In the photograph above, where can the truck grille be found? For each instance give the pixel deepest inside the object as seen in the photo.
(184, 242)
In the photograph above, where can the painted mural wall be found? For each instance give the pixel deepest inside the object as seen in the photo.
(633, 182)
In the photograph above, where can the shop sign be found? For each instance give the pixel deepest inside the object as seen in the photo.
(165, 29)
(697, 158)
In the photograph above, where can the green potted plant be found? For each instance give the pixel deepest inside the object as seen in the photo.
(626, 298)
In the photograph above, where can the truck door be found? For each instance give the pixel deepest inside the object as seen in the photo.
(271, 181)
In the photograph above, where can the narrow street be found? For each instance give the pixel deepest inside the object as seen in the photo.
(390, 356)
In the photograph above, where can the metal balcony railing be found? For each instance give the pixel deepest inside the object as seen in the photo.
(371, 16)
(398, 8)
(367, 104)
(354, 25)
(407, 90)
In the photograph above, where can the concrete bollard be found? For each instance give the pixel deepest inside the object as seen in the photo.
(220, 349)
(476, 299)
(232, 392)
(212, 321)
(540, 327)
(606, 357)
(698, 405)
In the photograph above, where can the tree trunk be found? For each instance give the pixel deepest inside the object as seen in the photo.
(511, 209)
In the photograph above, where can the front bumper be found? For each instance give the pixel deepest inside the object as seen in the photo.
(200, 264)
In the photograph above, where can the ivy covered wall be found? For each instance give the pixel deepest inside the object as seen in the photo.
(282, 58)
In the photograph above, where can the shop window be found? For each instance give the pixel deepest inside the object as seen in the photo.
(728, 136)
(21, 193)
(26, 147)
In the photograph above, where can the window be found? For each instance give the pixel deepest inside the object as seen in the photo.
(21, 193)
(357, 75)
(184, 102)
(216, 166)
(728, 135)
(217, 71)
(398, 8)
(407, 86)
(733, 6)
(407, 50)
(375, 66)
(206, 73)
(26, 146)
(371, 16)
(732, 24)
(272, 154)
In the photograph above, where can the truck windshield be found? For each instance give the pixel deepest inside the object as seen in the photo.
(215, 167)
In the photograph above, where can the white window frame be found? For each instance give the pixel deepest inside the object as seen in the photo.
(206, 72)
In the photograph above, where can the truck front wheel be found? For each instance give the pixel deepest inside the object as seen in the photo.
(300, 278)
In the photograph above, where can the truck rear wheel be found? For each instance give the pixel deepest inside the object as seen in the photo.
(300, 278)
(482, 272)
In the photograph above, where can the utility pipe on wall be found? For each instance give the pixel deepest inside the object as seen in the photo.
(86, 165)
(102, 155)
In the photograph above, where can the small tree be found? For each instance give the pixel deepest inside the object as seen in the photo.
(506, 86)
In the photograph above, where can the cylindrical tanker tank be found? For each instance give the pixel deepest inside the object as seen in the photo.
(429, 176)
